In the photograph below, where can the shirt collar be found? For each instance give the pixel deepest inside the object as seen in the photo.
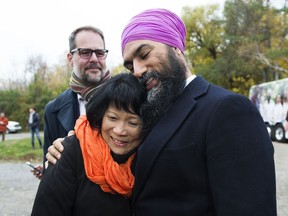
(190, 79)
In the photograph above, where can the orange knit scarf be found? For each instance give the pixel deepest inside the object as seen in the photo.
(99, 165)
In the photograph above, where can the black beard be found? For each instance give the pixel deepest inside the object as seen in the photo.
(160, 99)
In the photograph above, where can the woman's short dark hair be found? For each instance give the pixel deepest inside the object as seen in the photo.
(122, 91)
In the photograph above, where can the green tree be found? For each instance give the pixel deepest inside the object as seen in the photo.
(40, 85)
(118, 69)
(250, 31)
(244, 46)
(204, 33)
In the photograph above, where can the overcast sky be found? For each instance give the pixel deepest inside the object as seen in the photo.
(38, 27)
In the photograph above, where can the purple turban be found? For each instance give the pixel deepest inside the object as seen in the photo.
(158, 25)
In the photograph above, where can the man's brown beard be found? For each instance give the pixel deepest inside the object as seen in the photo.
(172, 79)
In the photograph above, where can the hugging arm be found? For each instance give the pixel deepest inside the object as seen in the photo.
(55, 150)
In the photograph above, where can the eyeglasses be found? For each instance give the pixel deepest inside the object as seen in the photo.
(87, 53)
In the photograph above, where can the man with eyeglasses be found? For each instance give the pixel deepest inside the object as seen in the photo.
(87, 57)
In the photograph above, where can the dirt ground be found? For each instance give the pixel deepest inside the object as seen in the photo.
(18, 186)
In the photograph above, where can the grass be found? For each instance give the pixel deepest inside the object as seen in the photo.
(20, 150)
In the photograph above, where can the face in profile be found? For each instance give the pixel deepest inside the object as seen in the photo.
(161, 71)
(157, 66)
(121, 130)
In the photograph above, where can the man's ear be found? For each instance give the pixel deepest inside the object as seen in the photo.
(178, 51)
(70, 59)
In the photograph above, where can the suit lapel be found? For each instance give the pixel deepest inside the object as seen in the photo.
(67, 122)
(67, 110)
(154, 143)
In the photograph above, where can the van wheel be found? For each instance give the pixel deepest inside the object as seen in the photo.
(279, 133)
(270, 132)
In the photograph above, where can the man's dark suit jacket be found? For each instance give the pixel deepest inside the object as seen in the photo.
(60, 117)
(210, 155)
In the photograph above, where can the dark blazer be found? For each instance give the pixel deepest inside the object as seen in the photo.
(65, 190)
(60, 116)
(210, 155)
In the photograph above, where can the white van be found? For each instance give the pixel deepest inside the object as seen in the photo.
(271, 99)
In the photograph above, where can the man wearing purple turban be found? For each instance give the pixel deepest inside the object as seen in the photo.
(207, 151)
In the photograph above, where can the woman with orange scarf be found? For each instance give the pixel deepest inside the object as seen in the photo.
(93, 176)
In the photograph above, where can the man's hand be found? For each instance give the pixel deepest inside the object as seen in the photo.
(38, 173)
(54, 151)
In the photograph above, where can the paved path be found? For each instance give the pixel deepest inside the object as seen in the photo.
(17, 189)
(281, 163)
(18, 186)
(22, 135)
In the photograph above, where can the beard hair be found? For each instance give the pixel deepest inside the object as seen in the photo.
(160, 98)
(85, 78)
